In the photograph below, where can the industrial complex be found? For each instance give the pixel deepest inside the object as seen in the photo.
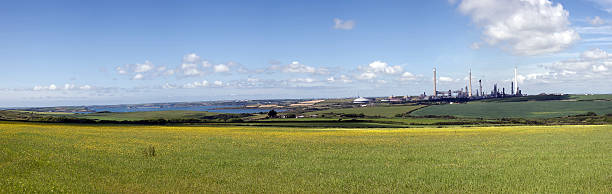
(461, 94)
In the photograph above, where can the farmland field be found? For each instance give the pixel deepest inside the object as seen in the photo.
(109, 158)
(528, 109)
(382, 111)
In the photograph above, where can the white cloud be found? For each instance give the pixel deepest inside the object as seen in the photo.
(252, 80)
(302, 80)
(135, 68)
(218, 83)
(366, 76)
(138, 76)
(445, 79)
(221, 68)
(527, 27)
(206, 64)
(345, 79)
(191, 58)
(141, 70)
(121, 70)
(475, 45)
(596, 21)
(378, 67)
(343, 25)
(85, 87)
(297, 67)
(68, 86)
(592, 65)
(144, 67)
(37, 88)
(594, 54)
(342, 78)
(599, 68)
(189, 69)
(195, 84)
(168, 86)
(169, 72)
(191, 65)
(382, 67)
(408, 76)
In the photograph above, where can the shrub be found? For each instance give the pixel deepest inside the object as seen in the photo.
(351, 115)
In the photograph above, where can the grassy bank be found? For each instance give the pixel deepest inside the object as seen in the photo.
(109, 158)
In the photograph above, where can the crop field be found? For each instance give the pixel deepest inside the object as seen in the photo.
(118, 158)
(528, 109)
(382, 111)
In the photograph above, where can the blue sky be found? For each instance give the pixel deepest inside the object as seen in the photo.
(111, 52)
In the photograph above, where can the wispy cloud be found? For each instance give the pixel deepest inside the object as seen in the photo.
(605, 5)
(596, 21)
(66, 87)
(343, 24)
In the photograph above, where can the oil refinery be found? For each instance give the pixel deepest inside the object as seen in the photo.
(458, 95)
(466, 93)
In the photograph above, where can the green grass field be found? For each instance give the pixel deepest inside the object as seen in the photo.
(109, 159)
(530, 109)
(133, 116)
(382, 111)
(592, 97)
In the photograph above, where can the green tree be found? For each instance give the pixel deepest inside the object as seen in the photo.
(272, 113)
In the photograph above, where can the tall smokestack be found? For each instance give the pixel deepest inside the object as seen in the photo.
(480, 83)
(435, 90)
(470, 92)
(515, 81)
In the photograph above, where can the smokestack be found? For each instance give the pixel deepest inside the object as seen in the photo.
(480, 83)
(515, 80)
(470, 92)
(435, 90)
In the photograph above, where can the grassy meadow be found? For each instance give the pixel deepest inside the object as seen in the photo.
(526, 109)
(381, 111)
(109, 158)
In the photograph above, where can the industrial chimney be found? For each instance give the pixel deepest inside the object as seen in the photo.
(435, 90)
(480, 83)
(515, 81)
(470, 94)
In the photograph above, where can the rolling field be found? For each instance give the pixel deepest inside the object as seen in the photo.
(382, 111)
(529, 109)
(110, 159)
